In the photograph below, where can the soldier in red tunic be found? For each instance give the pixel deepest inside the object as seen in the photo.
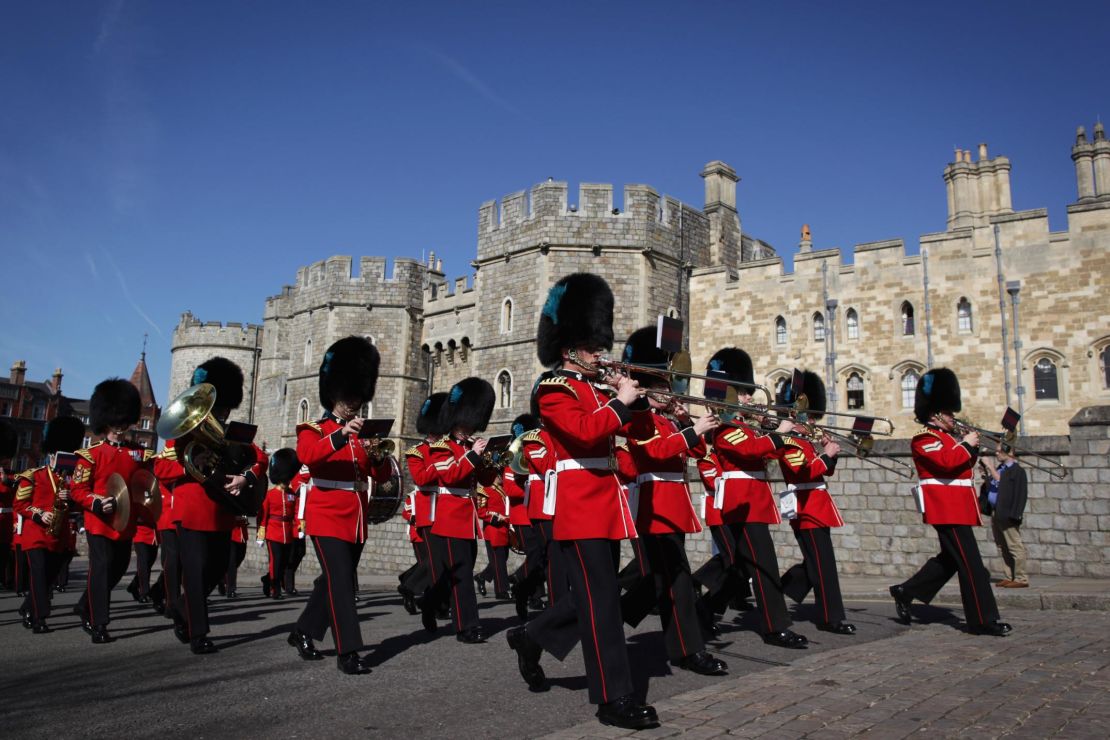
(334, 516)
(585, 496)
(165, 594)
(146, 552)
(275, 520)
(299, 484)
(526, 581)
(494, 513)
(417, 581)
(113, 409)
(945, 468)
(814, 513)
(42, 495)
(8, 442)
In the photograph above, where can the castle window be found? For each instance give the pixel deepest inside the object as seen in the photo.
(451, 350)
(907, 319)
(818, 327)
(144, 424)
(1104, 367)
(909, 388)
(853, 323)
(1045, 385)
(780, 330)
(86, 442)
(963, 316)
(464, 348)
(507, 316)
(6, 410)
(779, 386)
(308, 352)
(302, 411)
(672, 312)
(505, 389)
(38, 411)
(855, 391)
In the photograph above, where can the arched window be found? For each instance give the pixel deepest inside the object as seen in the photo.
(780, 330)
(302, 411)
(963, 316)
(507, 316)
(853, 323)
(779, 384)
(464, 348)
(672, 312)
(1045, 385)
(855, 391)
(451, 350)
(818, 327)
(1104, 367)
(308, 352)
(907, 319)
(504, 389)
(909, 388)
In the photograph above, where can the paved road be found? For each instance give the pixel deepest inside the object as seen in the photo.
(147, 684)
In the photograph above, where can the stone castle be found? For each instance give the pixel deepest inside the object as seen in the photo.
(1013, 307)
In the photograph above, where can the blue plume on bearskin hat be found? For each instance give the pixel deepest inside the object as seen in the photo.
(427, 421)
(226, 376)
(349, 372)
(469, 404)
(734, 363)
(114, 403)
(578, 313)
(283, 465)
(524, 423)
(63, 434)
(937, 390)
(813, 388)
(640, 349)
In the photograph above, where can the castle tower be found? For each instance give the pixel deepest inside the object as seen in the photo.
(1101, 163)
(977, 190)
(1083, 154)
(195, 341)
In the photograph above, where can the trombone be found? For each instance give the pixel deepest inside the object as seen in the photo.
(860, 445)
(610, 367)
(1009, 437)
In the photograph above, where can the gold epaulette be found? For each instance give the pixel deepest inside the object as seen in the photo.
(167, 453)
(414, 451)
(86, 453)
(532, 436)
(313, 425)
(25, 484)
(558, 381)
(440, 444)
(736, 436)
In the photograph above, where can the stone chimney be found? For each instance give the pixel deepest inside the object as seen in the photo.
(19, 372)
(57, 381)
(720, 207)
(977, 190)
(806, 244)
(1083, 154)
(1102, 163)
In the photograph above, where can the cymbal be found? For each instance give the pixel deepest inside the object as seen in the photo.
(117, 491)
(145, 491)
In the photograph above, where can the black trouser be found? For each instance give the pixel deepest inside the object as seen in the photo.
(7, 565)
(167, 588)
(296, 555)
(237, 552)
(748, 547)
(62, 579)
(535, 554)
(279, 557)
(666, 583)
(108, 561)
(817, 571)
(959, 553)
(418, 578)
(204, 557)
(591, 616)
(554, 563)
(454, 579)
(332, 602)
(145, 555)
(20, 569)
(354, 570)
(497, 569)
(722, 581)
(43, 566)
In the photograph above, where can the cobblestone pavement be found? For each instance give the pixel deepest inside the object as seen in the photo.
(1049, 678)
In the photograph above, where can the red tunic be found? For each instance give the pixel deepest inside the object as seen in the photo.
(804, 472)
(192, 507)
(537, 455)
(741, 452)
(513, 487)
(419, 461)
(90, 480)
(709, 467)
(241, 532)
(299, 484)
(581, 422)
(275, 521)
(168, 471)
(494, 516)
(454, 512)
(408, 510)
(658, 469)
(34, 497)
(7, 512)
(945, 467)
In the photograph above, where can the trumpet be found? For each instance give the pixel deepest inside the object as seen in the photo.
(1008, 438)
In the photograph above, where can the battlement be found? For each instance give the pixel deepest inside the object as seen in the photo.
(333, 281)
(191, 324)
(442, 295)
(337, 270)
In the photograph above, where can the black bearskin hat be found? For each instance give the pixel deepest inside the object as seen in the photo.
(640, 349)
(734, 363)
(814, 390)
(427, 421)
(63, 434)
(938, 390)
(578, 313)
(284, 465)
(114, 403)
(226, 376)
(533, 402)
(524, 423)
(349, 372)
(469, 404)
(8, 440)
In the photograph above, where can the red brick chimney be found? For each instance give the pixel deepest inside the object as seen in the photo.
(19, 372)
(57, 381)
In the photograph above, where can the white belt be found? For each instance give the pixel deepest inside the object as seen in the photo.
(583, 463)
(804, 486)
(6, 510)
(533, 478)
(340, 485)
(463, 492)
(948, 482)
(719, 483)
(665, 477)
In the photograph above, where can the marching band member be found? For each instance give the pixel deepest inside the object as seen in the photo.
(240, 535)
(419, 581)
(804, 470)
(455, 526)
(724, 585)
(69, 551)
(115, 406)
(495, 514)
(664, 514)
(591, 513)
(41, 497)
(296, 552)
(165, 595)
(275, 522)
(945, 467)
(8, 442)
(146, 552)
(523, 585)
(550, 569)
(334, 516)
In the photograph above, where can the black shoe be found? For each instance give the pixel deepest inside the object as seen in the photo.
(626, 712)
(442, 613)
(100, 636)
(27, 621)
(41, 628)
(527, 657)
(233, 594)
(277, 596)
(480, 584)
(840, 628)
(703, 663)
(304, 646)
(144, 599)
(294, 592)
(159, 606)
(133, 589)
(409, 603)
(786, 639)
(472, 636)
(265, 585)
(351, 664)
(502, 596)
(60, 589)
(902, 602)
(202, 646)
(86, 625)
(181, 632)
(536, 604)
(994, 629)
(357, 598)
(428, 619)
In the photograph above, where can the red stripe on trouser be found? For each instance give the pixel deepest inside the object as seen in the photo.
(820, 575)
(331, 602)
(454, 586)
(593, 624)
(759, 582)
(639, 556)
(674, 607)
(970, 576)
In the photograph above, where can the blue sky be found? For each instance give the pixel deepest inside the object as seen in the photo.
(161, 157)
